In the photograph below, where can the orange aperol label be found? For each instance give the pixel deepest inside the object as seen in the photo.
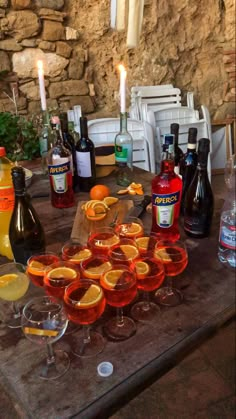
(7, 198)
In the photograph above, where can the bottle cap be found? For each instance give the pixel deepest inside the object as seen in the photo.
(192, 135)
(2, 151)
(174, 128)
(105, 369)
(18, 178)
(204, 145)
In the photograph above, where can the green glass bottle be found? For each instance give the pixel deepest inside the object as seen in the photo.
(124, 153)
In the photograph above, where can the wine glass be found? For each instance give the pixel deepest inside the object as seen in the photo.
(94, 267)
(85, 302)
(120, 288)
(56, 278)
(150, 274)
(44, 321)
(174, 257)
(132, 228)
(125, 252)
(37, 264)
(75, 252)
(14, 284)
(100, 240)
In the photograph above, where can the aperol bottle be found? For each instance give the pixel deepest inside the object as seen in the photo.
(60, 170)
(166, 195)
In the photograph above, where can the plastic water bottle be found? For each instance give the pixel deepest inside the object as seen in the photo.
(227, 235)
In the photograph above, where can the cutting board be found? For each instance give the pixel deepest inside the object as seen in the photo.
(82, 226)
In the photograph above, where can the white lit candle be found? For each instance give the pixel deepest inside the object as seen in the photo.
(41, 85)
(123, 75)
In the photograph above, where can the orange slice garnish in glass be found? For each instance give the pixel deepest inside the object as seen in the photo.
(142, 269)
(62, 272)
(91, 297)
(6, 279)
(81, 255)
(107, 242)
(94, 272)
(131, 252)
(36, 268)
(111, 278)
(162, 255)
(142, 243)
(131, 229)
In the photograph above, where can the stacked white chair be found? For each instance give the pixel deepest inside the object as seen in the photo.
(103, 132)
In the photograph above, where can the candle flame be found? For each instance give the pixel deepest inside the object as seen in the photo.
(121, 67)
(40, 64)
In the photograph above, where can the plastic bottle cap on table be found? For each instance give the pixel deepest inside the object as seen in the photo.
(105, 369)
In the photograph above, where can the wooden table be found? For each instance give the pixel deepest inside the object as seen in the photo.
(209, 290)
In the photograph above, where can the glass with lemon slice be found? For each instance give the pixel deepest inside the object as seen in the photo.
(94, 267)
(120, 289)
(75, 252)
(44, 322)
(102, 239)
(85, 302)
(37, 264)
(132, 228)
(150, 274)
(174, 257)
(14, 284)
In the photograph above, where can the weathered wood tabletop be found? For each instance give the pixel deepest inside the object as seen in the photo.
(209, 290)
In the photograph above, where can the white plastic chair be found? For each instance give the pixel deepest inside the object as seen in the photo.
(186, 118)
(103, 131)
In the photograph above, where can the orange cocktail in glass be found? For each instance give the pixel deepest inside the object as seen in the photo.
(132, 228)
(101, 240)
(75, 252)
(94, 267)
(37, 264)
(58, 276)
(125, 252)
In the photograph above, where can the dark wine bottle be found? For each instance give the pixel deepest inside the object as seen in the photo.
(69, 143)
(25, 231)
(199, 200)
(174, 130)
(188, 163)
(85, 158)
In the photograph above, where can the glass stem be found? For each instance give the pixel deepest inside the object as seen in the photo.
(50, 355)
(119, 317)
(87, 337)
(146, 305)
(16, 310)
(169, 284)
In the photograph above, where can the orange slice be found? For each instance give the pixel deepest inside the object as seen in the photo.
(111, 278)
(36, 268)
(95, 272)
(81, 255)
(131, 252)
(110, 200)
(62, 272)
(131, 229)
(36, 264)
(142, 243)
(5, 280)
(162, 255)
(142, 269)
(92, 297)
(111, 241)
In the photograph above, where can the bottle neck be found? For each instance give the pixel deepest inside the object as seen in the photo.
(202, 161)
(123, 121)
(83, 128)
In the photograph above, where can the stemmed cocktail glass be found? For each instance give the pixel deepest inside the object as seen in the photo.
(14, 284)
(37, 264)
(120, 288)
(85, 302)
(102, 239)
(73, 251)
(174, 257)
(150, 274)
(44, 321)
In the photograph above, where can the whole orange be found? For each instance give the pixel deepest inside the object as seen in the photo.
(99, 192)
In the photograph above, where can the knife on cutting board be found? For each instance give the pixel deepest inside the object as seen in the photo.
(139, 207)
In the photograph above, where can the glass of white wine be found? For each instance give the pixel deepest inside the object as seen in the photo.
(14, 284)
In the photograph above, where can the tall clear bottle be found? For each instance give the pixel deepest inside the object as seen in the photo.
(85, 158)
(25, 231)
(7, 199)
(188, 163)
(174, 130)
(227, 233)
(45, 139)
(124, 153)
(59, 161)
(166, 195)
(199, 200)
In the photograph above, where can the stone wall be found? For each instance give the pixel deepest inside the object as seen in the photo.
(183, 42)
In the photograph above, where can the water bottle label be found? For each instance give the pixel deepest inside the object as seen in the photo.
(164, 206)
(83, 161)
(7, 198)
(228, 236)
(58, 176)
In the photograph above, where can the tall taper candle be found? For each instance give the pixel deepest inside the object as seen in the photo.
(123, 75)
(41, 85)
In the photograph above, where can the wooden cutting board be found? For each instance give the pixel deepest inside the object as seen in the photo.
(82, 226)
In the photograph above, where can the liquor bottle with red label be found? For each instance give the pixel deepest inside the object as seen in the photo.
(60, 170)
(166, 195)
